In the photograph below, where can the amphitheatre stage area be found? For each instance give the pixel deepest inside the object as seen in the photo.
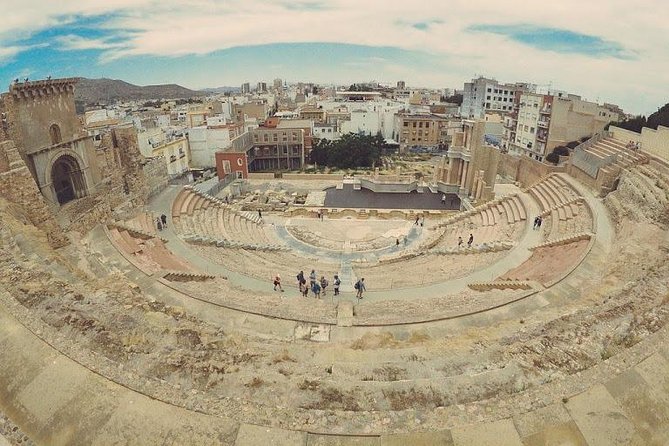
(476, 326)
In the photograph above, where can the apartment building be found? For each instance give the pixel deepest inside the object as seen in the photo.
(280, 145)
(246, 88)
(540, 122)
(258, 110)
(482, 95)
(424, 130)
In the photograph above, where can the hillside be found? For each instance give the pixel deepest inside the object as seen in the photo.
(108, 90)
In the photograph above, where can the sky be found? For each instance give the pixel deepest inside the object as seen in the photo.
(604, 50)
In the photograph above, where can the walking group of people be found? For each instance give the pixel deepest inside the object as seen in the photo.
(470, 240)
(537, 222)
(318, 287)
(161, 222)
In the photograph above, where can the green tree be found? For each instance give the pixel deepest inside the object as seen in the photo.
(553, 158)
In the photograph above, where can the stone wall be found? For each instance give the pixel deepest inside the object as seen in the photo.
(17, 186)
(654, 142)
(525, 170)
(155, 171)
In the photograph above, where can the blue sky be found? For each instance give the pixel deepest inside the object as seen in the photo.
(585, 48)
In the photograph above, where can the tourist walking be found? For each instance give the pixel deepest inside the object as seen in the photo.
(397, 242)
(159, 224)
(316, 289)
(259, 214)
(360, 288)
(422, 221)
(443, 199)
(336, 285)
(304, 289)
(324, 284)
(536, 222)
(277, 283)
(300, 278)
(459, 242)
(312, 278)
(417, 218)
(539, 221)
(470, 241)
(163, 220)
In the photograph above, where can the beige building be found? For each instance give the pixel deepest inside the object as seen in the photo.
(176, 155)
(539, 123)
(425, 130)
(314, 113)
(250, 110)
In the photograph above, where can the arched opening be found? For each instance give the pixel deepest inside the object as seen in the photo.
(54, 132)
(67, 179)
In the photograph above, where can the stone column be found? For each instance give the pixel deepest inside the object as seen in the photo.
(479, 190)
(472, 191)
(463, 179)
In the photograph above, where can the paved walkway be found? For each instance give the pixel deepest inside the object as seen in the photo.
(515, 257)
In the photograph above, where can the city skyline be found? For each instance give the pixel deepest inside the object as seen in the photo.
(587, 49)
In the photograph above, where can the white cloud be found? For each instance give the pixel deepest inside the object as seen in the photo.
(75, 42)
(172, 28)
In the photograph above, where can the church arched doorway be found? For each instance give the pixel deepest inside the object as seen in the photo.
(67, 179)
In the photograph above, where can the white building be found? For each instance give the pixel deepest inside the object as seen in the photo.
(205, 142)
(483, 95)
(326, 131)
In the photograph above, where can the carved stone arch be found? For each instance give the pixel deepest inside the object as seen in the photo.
(66, 177)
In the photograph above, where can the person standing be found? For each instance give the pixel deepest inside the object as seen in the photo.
(536, 222)
(277, 283)
(324, 284)
(397, 242)
(159, 224)
(360, 288)
(417, 218)
(316, 289)
(459, 242)
(300, 278)
(312, 278)
(163, 220)
(443, 199)
(336, 285)
(470, 241)
(259, 214)
(539, 221)
(304, 289)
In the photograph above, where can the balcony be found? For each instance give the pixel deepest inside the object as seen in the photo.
(545, 111)
(543, 124)
(542, 137)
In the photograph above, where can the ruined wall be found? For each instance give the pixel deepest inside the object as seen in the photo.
(155, 171)
(17, 186)
(525, 170)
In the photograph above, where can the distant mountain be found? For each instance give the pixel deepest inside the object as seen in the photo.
(221, 90)
(91, 91)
